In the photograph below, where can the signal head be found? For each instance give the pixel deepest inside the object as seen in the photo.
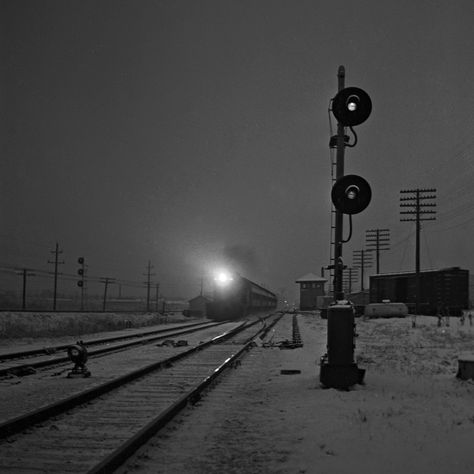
(351, 106)
(351, 194)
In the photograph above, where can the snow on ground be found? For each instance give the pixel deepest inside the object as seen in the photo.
(411, 416)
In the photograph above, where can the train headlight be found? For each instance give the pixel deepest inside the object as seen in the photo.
(223, 278)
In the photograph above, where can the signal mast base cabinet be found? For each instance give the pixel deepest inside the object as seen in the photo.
(337, 367)
(466, 367)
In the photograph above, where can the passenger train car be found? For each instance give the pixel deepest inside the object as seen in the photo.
(238, 297)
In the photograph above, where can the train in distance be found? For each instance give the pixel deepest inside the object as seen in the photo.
(236, 297)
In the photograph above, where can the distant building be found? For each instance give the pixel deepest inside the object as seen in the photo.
(311, 287)
(198, 306)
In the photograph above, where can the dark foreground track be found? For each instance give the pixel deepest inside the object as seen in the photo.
(97, 430)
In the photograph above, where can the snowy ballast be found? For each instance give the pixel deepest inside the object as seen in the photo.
(465, 367)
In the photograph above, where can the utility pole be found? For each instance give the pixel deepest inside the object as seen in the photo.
(157, 294)
(362, 259)
(25, 273)
(106, 282)
(148, 285)
(56, 262)
(417, 203)
(377, 240)
(350, 277)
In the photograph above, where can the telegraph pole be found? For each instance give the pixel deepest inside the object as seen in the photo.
(25, 273)
(157, 294)
(362, 259)
(350, 277)
(106, 282)
(148, 285)
(56, 262)
(417, 203)
(377, 240)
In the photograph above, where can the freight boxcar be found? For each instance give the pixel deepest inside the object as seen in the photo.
(443, 291)
(238, 297)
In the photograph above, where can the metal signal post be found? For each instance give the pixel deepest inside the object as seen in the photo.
(338, 238)
(81, 271)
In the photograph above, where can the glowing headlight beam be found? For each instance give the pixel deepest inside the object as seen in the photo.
(223, 278)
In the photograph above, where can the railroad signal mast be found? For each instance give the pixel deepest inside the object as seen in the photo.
(81, 271)
(350, 195)
(418, 204)
(377, 240)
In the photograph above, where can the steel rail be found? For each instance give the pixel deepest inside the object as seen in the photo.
(120, 455)
(47, 350)
(103, 350)
(21, 422)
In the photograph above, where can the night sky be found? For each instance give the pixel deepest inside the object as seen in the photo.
(194, 134)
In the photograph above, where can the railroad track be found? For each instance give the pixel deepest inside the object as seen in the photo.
(26, 362)
(97, 430)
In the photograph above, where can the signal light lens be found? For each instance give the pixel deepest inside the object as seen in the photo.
(352, 103)
(352, 192)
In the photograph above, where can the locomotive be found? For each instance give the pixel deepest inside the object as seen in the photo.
(236, 297)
